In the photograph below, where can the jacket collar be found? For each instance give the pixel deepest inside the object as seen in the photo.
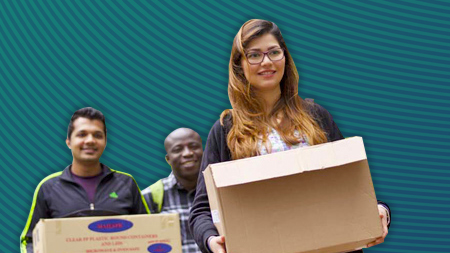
(67, 174)
(172, 181)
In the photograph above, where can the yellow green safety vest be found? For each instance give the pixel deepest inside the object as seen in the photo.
(157, 190)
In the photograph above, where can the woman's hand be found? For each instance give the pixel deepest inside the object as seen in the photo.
(217, 244)
(383, 215)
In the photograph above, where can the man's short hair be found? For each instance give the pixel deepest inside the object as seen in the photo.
(89, 113)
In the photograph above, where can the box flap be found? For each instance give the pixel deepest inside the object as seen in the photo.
(214, 201)
(288, 162)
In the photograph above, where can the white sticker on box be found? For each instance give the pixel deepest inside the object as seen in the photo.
(215, 216)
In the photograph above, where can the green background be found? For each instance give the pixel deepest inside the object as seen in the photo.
(380, 67)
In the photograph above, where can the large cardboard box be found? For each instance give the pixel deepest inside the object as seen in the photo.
(314, 199)
(156, 233)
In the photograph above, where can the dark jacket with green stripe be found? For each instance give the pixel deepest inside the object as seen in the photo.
(58, 195)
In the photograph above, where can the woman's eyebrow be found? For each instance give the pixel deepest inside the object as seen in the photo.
(258, 49)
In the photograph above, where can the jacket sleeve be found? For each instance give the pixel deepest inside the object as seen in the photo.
(139, 204)
(200, 220)
(325, 120)
(39, 210)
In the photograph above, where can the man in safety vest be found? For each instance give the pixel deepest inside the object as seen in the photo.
(175, 193)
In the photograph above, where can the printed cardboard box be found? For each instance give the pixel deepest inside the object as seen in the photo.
(314, 199)
(156, 233)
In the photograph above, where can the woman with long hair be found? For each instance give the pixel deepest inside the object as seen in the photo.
(267, 116)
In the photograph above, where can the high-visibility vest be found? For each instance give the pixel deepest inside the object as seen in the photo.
(157, 190)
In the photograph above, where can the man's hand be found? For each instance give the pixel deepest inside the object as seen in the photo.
(383, 215)
(217, 244)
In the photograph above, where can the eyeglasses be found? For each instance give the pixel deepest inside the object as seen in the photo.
(256, 57)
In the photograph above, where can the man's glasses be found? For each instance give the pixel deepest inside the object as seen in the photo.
(256, 57)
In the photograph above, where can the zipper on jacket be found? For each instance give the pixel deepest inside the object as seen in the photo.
(96, 188)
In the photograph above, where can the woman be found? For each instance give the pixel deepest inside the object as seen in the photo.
(267, 116)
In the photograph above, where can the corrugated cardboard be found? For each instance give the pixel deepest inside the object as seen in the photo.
(313, 199)
(156, 233)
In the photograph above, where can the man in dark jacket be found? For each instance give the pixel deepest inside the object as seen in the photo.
(86, 187)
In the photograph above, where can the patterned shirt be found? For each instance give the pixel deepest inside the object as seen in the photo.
(275, 143)
(176, 200)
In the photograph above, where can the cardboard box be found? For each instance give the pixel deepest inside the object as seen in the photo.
(312, 199)
(156, 233)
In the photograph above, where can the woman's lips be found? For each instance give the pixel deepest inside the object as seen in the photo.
(267, 72)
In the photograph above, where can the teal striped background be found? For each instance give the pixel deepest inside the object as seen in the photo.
(380, 67)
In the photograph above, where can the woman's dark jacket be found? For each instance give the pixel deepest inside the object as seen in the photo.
(216, 151)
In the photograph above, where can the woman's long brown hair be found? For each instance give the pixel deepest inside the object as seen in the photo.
(250, 122)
